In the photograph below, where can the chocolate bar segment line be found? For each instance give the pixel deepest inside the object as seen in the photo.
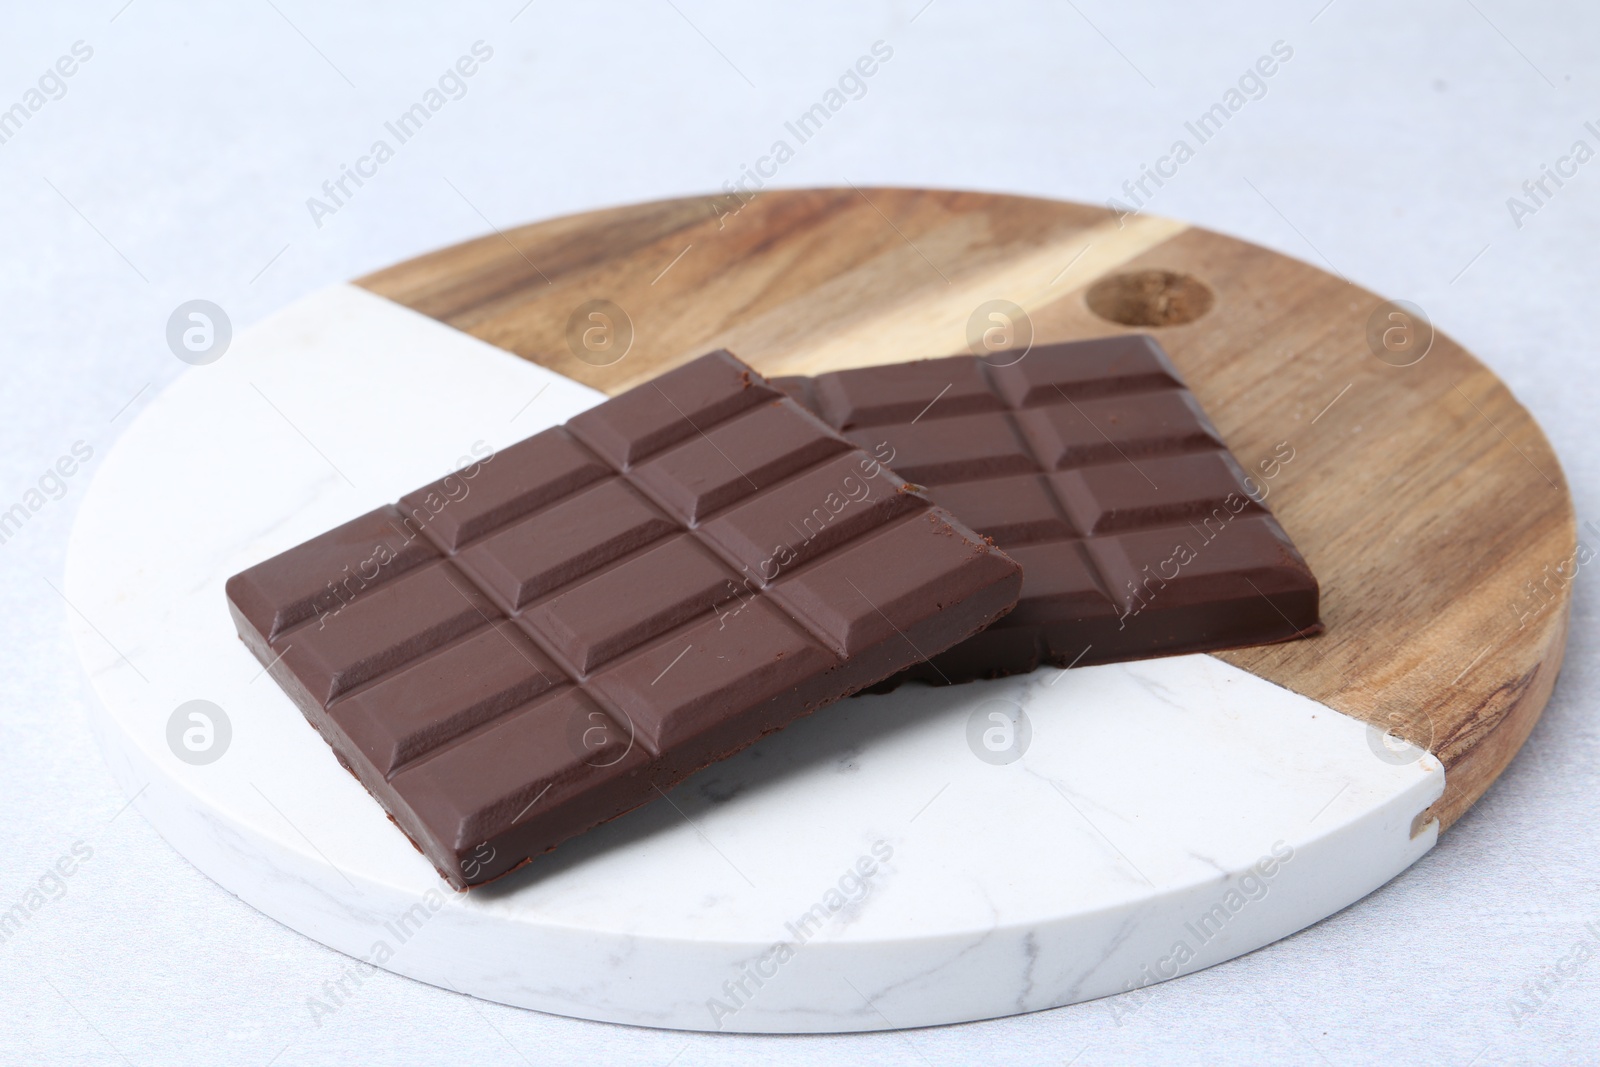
(602, 613)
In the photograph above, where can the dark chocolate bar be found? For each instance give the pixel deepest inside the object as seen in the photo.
(1095, 468)
(545, 639)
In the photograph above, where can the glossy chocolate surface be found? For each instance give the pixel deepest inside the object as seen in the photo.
(545, 639)
(1094, 467)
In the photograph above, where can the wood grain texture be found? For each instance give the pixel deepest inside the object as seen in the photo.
(1425, 498)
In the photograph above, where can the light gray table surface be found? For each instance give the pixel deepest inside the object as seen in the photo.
(176, 163)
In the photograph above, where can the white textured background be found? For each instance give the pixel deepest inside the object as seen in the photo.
(177, 165)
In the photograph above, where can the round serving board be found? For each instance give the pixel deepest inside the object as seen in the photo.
(867, 868)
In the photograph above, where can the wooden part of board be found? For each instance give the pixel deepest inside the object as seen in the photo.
(1425, 498)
